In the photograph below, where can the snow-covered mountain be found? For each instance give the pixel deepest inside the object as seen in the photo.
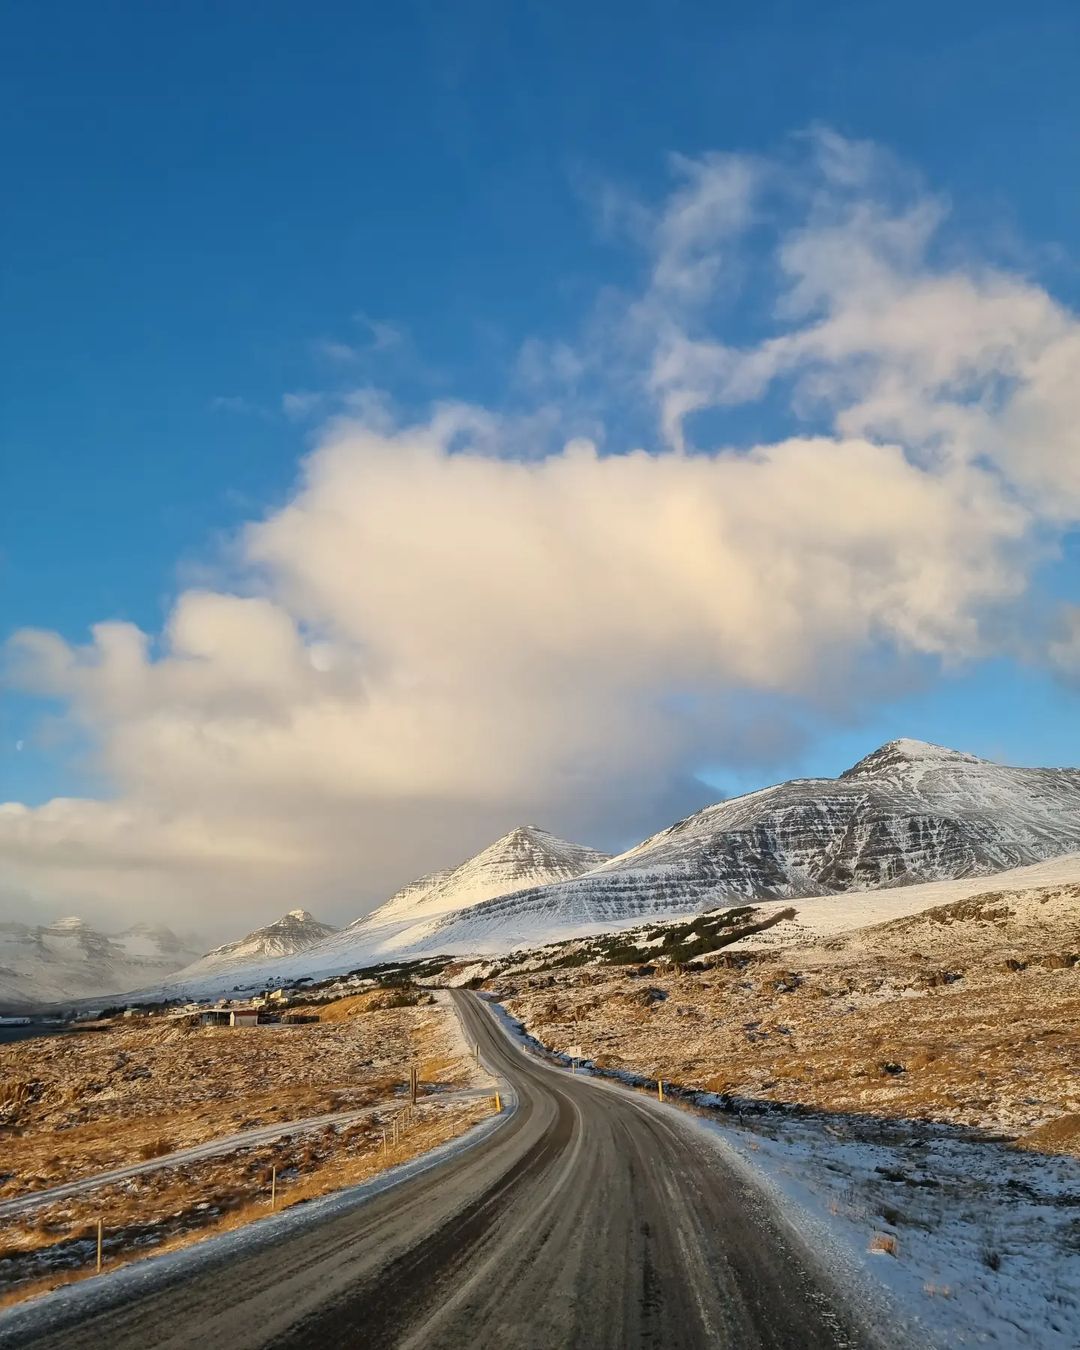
(292, 933)
(526, 856)
(69, 959)
(909, 812)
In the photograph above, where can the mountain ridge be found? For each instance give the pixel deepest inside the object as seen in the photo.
(522, 856)
(909, 812)
(292, 933)
(69, 958)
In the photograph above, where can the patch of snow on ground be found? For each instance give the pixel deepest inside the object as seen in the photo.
(987, 1237)
(828, 915)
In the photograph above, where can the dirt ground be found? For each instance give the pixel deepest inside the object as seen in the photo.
(969, 1017)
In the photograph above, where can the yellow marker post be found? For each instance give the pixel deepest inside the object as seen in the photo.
(99, 1246)
(273, 1188)
(498, 1103)
(660, 1088)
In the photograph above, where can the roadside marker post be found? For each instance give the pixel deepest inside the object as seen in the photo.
(498, 1104)
(660, 1088)
(99, 1246)
(273, 1188)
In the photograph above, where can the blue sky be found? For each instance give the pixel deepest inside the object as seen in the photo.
(222, 220)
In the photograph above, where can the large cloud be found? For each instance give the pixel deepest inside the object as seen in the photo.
(443, 632)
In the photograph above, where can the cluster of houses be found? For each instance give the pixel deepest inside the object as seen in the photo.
(262, 1008)
(270, 1006)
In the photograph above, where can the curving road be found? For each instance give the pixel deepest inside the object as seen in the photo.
(592, 1218)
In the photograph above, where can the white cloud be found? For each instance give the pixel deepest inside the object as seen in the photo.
(300, 403)
(450, 630)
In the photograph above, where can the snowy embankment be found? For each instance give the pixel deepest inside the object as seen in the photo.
(974, 1239)
(828, 916)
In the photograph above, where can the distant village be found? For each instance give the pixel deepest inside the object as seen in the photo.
(292, 1003)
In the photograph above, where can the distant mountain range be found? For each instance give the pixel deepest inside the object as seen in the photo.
(69, 959)
(526, 856)
(909, 812)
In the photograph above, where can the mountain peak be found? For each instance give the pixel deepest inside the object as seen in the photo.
(530, 850)
(286, 936)
(905, 752)
(520, 832)
(522, 857)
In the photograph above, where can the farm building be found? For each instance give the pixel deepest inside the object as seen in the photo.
(218, 1017)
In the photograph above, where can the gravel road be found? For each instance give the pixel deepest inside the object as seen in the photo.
(593, 1218)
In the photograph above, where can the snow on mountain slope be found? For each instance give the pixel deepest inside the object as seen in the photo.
(292, 933)
(907, 813)
(69, 959)
(858, 914)
(527, 856)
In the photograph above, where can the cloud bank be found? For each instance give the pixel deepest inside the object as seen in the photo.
(480, 617)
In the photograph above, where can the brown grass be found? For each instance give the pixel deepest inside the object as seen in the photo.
(88, 1102)
(177, 1207)
(103, 1100)
(157, 1148)
(879, 1035)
